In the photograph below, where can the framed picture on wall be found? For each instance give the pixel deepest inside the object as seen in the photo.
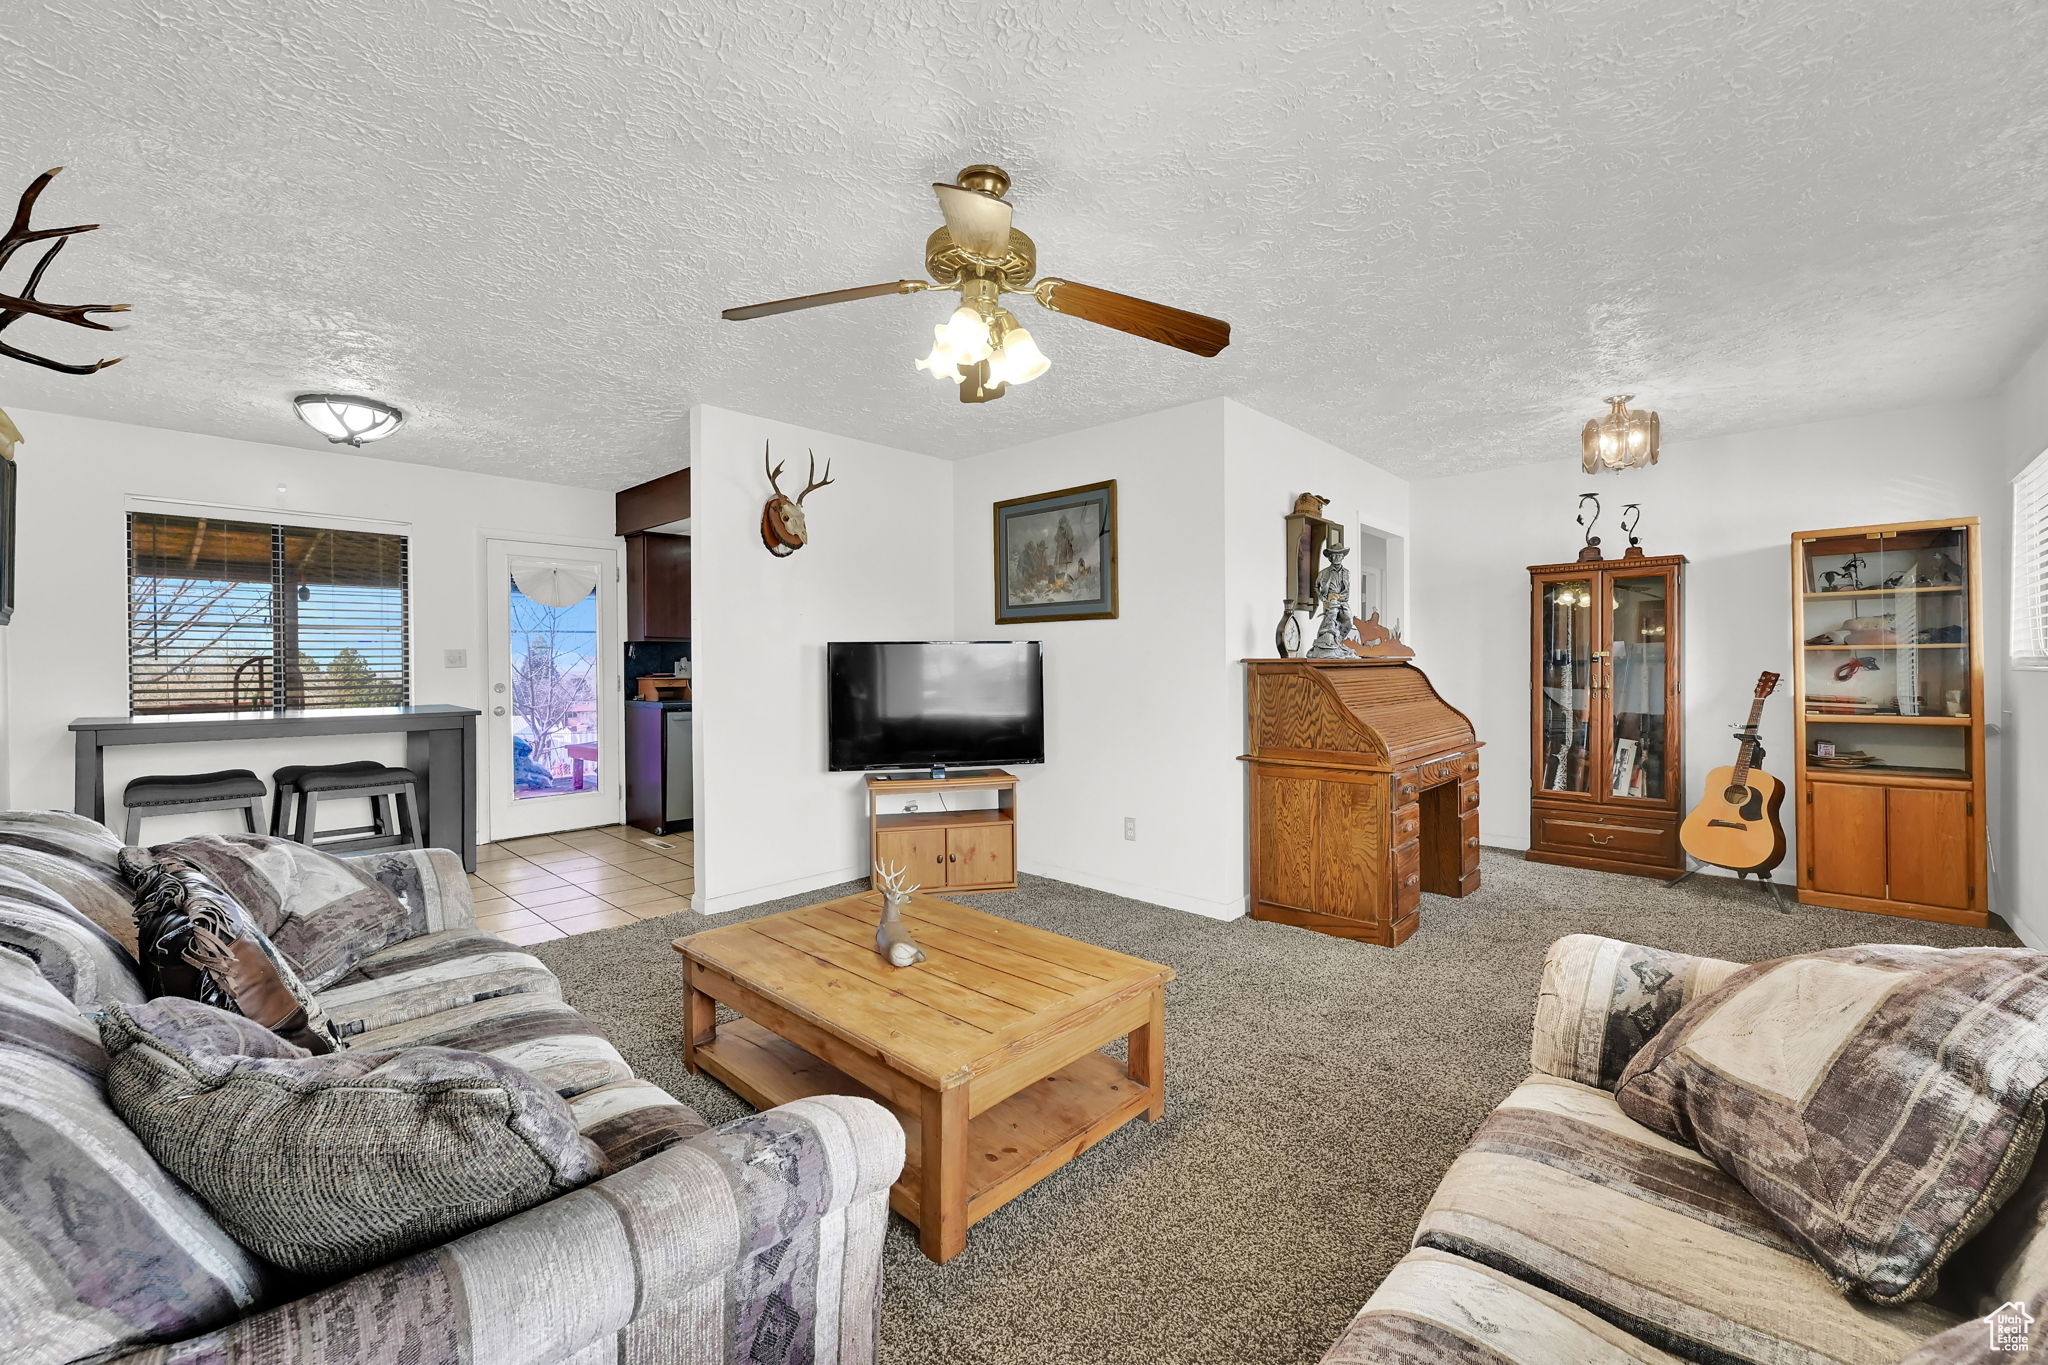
(1055, 555)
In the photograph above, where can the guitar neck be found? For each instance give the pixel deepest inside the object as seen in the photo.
(1747, 745)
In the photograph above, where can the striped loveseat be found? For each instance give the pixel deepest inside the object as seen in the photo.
(1566, 1232)
(756, 1242)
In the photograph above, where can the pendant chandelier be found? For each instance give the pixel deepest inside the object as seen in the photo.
(1626, 438)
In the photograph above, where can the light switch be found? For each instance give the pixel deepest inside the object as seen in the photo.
(455, 658)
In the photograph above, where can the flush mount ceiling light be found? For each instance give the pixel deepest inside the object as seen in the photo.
(982, 348)
(347, 420)
(1626, 438)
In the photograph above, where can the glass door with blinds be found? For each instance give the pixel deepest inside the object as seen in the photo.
(236, 615)
(552, 729)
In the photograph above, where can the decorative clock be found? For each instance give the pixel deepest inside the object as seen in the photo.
(1287, 639)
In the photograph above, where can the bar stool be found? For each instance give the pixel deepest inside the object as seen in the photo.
(287, 781)
(183, 793)
(390, 791)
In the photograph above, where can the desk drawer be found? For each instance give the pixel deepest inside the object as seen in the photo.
(1449, 768)
(1631, 838)
(1407, 860)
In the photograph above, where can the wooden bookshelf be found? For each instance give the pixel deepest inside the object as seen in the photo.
(1904, 835)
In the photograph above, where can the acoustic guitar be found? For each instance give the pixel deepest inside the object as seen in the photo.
(1736, 823)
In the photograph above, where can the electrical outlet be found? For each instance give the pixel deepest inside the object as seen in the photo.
(455, 658)
(1131, 828)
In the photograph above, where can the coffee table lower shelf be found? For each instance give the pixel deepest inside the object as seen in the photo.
(1010, 1148)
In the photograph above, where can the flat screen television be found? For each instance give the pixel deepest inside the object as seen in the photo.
(934, 704)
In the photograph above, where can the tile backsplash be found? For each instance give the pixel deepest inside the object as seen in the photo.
(654, 656)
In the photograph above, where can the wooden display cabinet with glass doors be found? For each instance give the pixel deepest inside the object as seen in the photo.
(1889, 705)
(1607, 724)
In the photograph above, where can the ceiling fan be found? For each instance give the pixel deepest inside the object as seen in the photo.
(982, 348)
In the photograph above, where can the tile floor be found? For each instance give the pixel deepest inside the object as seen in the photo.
(553, 885)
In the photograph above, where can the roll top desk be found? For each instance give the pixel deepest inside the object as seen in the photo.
(1364, 794)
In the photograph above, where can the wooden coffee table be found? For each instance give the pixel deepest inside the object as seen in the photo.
(986, 1051)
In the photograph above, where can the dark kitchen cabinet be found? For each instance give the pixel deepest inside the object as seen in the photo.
(657, 586)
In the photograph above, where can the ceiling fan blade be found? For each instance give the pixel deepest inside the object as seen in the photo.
(1152, 321)
(980, 226)
(866, 291)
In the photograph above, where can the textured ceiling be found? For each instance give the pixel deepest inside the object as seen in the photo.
(1441, 230)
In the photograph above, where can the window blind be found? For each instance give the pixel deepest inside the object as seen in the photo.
(2030, 565)
(227, 615)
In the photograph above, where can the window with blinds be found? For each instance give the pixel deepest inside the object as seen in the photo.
(2030, 565)
(239, 615)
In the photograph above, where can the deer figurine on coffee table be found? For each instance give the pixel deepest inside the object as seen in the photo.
(892, 936)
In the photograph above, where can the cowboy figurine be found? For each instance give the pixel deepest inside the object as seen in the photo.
(1333, 592)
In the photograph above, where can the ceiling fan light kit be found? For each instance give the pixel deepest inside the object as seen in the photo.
(982, 348)
(1626, 438)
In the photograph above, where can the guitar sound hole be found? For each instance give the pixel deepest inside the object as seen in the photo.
(1735, 796)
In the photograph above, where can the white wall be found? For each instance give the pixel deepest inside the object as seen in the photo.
(67, 647)
(879, 566)
(2021, 801)
(1136, 714)
(1145, 713)
(1731, 505)
(1267, 465)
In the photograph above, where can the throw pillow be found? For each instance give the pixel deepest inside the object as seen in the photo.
(326, 1165)
(104, 1252)
(196, 943)
(1881, 1102)
(324, 913)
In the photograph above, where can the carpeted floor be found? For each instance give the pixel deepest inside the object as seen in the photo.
(1317, 1090)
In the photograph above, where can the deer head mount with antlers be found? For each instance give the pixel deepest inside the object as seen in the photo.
(14, 307)
(782, 520)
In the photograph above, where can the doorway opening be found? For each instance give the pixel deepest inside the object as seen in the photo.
(1381, 561)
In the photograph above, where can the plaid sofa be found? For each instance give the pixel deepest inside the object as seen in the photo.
(1567, 1232)
(758, 1242)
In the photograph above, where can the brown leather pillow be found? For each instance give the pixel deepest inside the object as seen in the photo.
(195, 942)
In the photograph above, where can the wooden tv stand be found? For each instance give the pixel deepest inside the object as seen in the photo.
(948, 850)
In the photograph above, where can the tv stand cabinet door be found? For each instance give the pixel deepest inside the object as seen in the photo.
(920, 852)
(981, 855)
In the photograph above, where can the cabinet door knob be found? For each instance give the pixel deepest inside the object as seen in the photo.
(952, 858)
(1598, 840)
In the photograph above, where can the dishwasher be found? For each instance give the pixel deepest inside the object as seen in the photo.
(676, 772)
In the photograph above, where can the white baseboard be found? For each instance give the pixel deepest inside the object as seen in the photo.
(1193, 905)
(1233, 908)
(774, 891)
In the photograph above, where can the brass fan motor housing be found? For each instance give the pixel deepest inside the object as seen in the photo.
(947, 263)
(982, 178)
